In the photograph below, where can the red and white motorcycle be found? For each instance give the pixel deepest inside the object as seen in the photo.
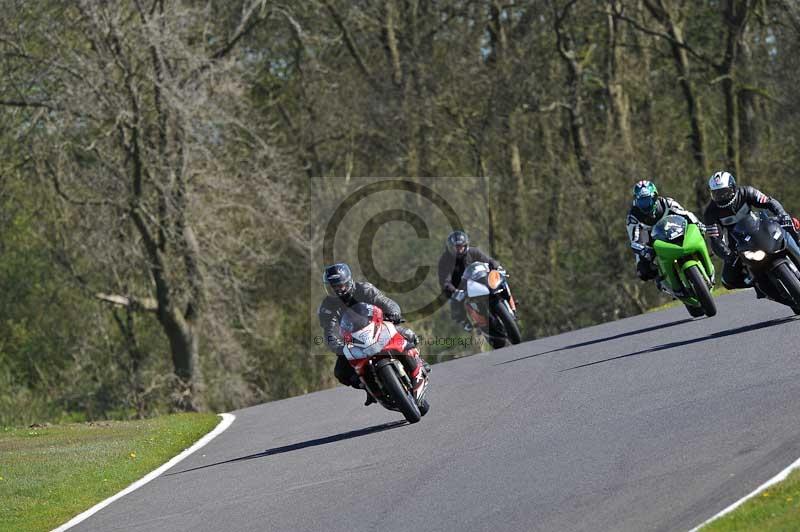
(384, 359)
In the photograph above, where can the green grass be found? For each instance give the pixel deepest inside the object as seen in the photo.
(50, 474)
(775, 509)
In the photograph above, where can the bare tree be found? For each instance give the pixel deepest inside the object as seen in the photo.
(619, 109)
(575, 62)
(173, 190)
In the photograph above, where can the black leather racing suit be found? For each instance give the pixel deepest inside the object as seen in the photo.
(640, 224)
(330, 313)
(451, 268)
(719, 219)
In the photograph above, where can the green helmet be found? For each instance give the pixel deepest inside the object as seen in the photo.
(645, 195)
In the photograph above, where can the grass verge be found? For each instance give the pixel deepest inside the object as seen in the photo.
(50, 474)
(777, 508)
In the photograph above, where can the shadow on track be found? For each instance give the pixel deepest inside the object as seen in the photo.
(720, 334)
(303, 445)
(599, 340)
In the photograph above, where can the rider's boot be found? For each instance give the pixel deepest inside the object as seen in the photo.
(417, 379)
(370, 399)
(662, 285)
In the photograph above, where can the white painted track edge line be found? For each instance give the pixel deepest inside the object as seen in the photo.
(226, 421)
(774, 480)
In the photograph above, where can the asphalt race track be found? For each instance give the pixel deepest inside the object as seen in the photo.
(656, 422)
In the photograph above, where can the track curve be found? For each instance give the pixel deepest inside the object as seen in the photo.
(655, 422)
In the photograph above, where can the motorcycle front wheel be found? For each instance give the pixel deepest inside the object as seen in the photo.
(500, 309)
(789, 281)
(401, 397)
(695, 312)
(698, 282)
(424, 406)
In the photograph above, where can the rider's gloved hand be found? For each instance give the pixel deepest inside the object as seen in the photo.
(394, 318)
(702, 227)
(412, 337)
(647, 253)
(786, 221)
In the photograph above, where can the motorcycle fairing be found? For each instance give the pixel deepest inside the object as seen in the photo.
(476, 270)
(476, 316)
(743, 211)
(679, 246)
(476, 289)
(372, 339)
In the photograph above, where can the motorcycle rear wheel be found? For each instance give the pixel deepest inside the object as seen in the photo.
(401, 397)
(698, 282)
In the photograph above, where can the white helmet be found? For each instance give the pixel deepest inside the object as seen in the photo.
(723, 188)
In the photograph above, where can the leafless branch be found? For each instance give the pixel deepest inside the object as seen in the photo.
(131, 302)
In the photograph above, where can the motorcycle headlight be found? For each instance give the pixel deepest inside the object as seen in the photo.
(494, 279)
(754, 255)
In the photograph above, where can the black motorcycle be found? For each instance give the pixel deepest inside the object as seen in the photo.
(771, 256)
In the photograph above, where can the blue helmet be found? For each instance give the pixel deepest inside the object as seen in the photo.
(645, 196)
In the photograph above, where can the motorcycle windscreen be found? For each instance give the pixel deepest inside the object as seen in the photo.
(476, 289)
(476, 270)
(671, 229)
(351, 322)
(369, 341)
(756, 232)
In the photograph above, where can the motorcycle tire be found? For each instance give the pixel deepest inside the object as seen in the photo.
(401, 397)
(790, 281)
(695, 312)
(500, 309)
(698, 282)
(424, 406)
(497, 343)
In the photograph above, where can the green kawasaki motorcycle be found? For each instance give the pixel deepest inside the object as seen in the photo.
(684, 263)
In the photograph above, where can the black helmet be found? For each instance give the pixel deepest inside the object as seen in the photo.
(458, 243)
(723, 189)
(338, 280)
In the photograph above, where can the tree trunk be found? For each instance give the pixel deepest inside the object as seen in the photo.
(734, 15)
(551, 236)
(184, 347)
(693, 109)
(619, 119)
(574, 109)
